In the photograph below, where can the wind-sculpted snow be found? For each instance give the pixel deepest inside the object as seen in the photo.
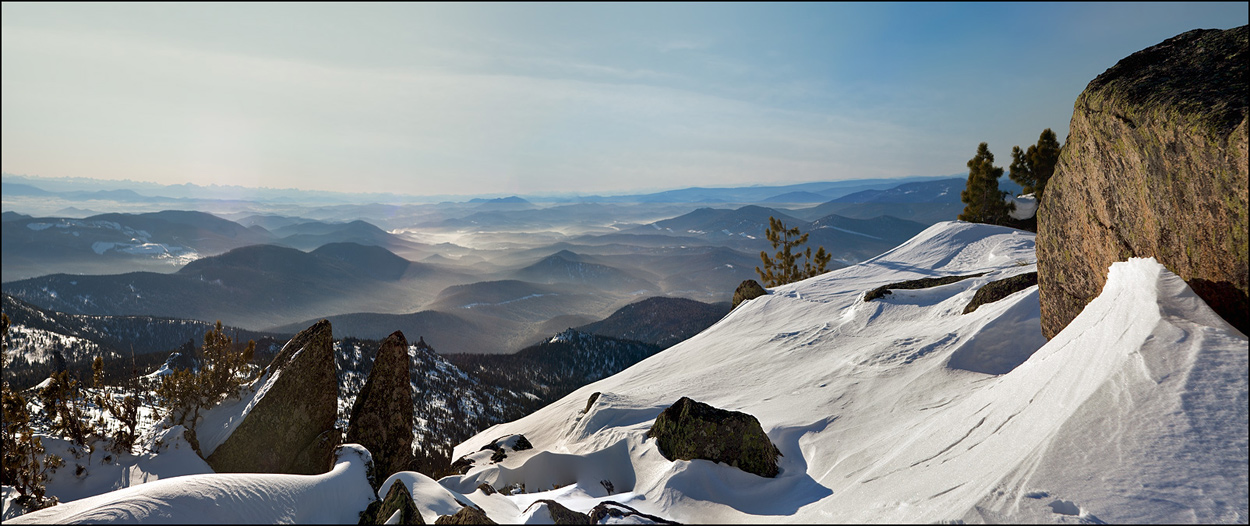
(901, 409)
(886, 411)
(334, 497)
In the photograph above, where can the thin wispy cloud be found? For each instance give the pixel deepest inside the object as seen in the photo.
(445, 99)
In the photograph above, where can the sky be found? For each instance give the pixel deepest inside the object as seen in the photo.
(475, 99)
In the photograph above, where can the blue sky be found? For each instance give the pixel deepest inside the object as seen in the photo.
(535, 98)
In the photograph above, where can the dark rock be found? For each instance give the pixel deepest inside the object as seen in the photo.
(747, 290)
(561, 514)
(688, 430)
(397, 499)
(461, 466)
(997, 290)
(291, 428)
(915, 284)
(383, 414)
(487, 489)
(613, 509)
(1155, 165)
(466, 515)
(590, 402)
(501, 446)
(520, 444)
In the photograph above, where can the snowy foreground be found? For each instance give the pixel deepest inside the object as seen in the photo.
(901, 409)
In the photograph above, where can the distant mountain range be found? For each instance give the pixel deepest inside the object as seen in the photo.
(925, 202)
(191, 194)
(255, 286)
(848, 240)
(157, 241)
(520, 278)
(659, 321)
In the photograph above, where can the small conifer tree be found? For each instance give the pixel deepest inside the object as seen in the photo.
(25, 462)
(125, 412)
(63, 405)
(985, 203)
(1032, 168)
(221, 374)
(783, 267)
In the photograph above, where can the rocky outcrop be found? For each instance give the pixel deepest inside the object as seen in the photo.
(688, 430)
(559, 513)
(1155, 165)
(397, 500)
(915, 284)
(382, 415)
(466, 515)
(493, 453)
(590, 402)
(997, 290)
(611, 509)
(748, 290)
(290, 426)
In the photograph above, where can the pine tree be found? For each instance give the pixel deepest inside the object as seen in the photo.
(783, 267)
(1032, 169)
(985, 203)
(125, 412)
(63, 405)
(223, 371)
(25, 463)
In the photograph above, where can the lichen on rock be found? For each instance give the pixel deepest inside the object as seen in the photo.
(1155, 165)
(689, 430)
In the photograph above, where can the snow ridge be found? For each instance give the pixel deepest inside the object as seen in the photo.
(1132, 414)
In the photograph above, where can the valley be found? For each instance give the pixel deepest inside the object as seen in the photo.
(480, 276)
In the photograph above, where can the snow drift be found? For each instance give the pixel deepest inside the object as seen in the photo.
(1134, 413)
(883, 410)
(336, 497)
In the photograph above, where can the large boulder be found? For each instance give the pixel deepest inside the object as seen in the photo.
(383, 414)
(1155, 165)
(688, 430)
(747, 290)
(289, 427)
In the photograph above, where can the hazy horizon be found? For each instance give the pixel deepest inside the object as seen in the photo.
(456, 99)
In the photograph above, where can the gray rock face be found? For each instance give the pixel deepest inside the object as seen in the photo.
(749, 289)
(397, 500)
(382, 416)
(1155, 165)
(688, 430)
(291, 428)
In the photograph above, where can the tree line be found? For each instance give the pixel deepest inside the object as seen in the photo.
(1031, 169)
(67, 402)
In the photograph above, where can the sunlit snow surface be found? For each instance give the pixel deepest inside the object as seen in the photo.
(335, 497)
(1136, 412)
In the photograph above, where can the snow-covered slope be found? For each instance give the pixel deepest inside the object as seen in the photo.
(1136, 412)
(336, 497)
